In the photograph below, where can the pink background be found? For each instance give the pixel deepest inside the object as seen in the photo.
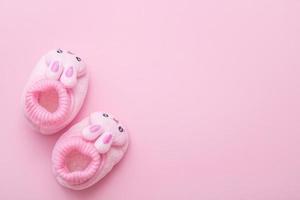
(210, 91)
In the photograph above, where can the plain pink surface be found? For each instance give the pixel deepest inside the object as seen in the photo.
(210, 91)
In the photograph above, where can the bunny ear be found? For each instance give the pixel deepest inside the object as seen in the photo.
(91, 132)
(104, 142)
(69, 76)
(54, 70)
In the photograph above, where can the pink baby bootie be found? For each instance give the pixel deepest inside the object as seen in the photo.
(55, 91)
(89, 150)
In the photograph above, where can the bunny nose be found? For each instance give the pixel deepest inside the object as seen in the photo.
(116, 120)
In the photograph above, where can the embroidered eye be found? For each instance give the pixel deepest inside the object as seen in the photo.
(78, 59)
(59, 51)
(105, 115)
(121, 129)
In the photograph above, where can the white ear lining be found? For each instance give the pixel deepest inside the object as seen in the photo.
(69, 76)
(103, 143)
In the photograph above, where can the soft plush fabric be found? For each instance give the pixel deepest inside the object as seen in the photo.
(89, 150)
(55, 91)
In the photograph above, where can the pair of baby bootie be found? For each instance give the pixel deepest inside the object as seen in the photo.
(52, 98)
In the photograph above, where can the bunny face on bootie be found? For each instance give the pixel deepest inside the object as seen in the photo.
(64, 66)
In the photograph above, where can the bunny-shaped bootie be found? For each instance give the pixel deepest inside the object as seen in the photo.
(89, 150)
(55, 91)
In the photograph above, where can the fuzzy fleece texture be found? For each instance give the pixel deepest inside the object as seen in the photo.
(55, 91)
(89, 150)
